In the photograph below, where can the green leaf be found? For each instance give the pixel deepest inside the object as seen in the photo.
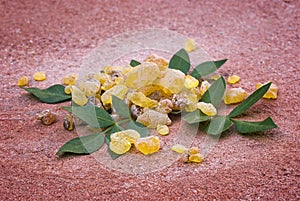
(251, 127)
(53, 94)
(215, 92)
(207, 68)
(120, 107)
(143, 131)
(94, 116)
(196, 117)
(67, 108)
(134, 63)
(253, 98)
(218, 125)
(180, 61)
(83, 145)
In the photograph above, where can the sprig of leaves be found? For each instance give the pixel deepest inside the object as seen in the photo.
(87, 113)
(53, 94)
(219, 124)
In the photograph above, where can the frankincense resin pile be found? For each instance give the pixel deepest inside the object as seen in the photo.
(152, 91)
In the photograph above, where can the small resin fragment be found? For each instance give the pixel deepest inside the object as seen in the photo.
(69, 80)
(233, 79)
(271, 93)
(234, 95)
(46, 117)
(68, 89)
(207, 108)
(78, 96)
(138, 98)
(23, 81)
(39, 76)
(190, 82)
(161, 62)
(179, 148)
(162, 129)
(215, 77)
(135, 111)
(89, 87)
(172, 81)
(190, 45)
(196, 158)
(148, 145)
(68, 123)
(204, 86)
(120, 146)
(152, 118)
(142, 75)
(193, 150)
(130, 135)
(119, 90)
(164, 106)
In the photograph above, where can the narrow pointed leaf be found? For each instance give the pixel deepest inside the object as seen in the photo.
(218, 125)
(53, 94)
(251, 127)
(94, 116)
(215, 92)
(196, 117)
(207, 68)
(83, 145)
(253, 98)
(67, 108)
(134, 63)
(180, 61)
(121, 108)
(143, 131)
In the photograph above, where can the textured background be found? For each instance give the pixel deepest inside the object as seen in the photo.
(261, 41)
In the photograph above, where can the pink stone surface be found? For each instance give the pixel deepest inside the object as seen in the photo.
(261, 41)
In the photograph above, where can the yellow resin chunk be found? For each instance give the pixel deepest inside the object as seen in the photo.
(138, 98)
(179, 148)
(190, 45)
(207, 108)
(190, 82)
(23, 81)
(152, 118)
(172, 80)
(271, 93)
(204, 86)
(69, 80)
(196, 158)
(233, 79)
(108, 85)
(234, 95)
(39, 76)
(68, 90)
(161, 62)
(89, 87)
(162, 129)
(148, 145)
(78, 96)
(102, 77)
(215, 77)
(130, 135)
(142, 75)
(120, 146)
(193, 150)
(119, 90)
